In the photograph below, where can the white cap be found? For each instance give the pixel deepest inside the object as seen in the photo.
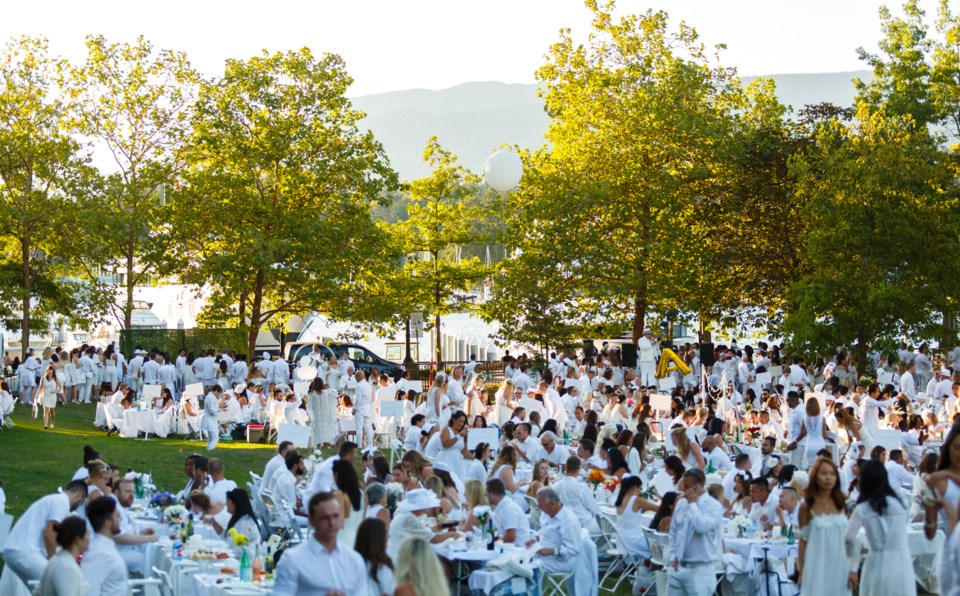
(266, 355)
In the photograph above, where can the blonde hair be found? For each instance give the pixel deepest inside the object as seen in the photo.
(476, 494)
(681, 441)
(97, 468)
(418, 566)
(435, 485)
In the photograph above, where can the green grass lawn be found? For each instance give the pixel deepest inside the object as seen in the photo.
(35, 462)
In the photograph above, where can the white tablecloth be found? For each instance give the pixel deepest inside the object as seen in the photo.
(346, 426)
(138, 421)
(219, 584)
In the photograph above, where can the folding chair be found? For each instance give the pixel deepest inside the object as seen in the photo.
(166, 586)
(534, 513)
(5, 419)
(554, 584)
(622, 561)
(659, 555)
(144, 587)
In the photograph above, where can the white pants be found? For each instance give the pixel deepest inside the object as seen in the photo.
(85, 390)
(699, 580)
(28, 565)
(648, 379)
(364, 427)
(554, 564)
(213, 435)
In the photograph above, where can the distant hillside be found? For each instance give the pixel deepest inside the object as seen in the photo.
(473, 119)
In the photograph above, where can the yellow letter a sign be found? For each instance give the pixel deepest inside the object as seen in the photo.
(669, 362)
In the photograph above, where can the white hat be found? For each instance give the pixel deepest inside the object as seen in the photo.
(418, 499)
(240, 388)
(428, 426)
(646, 331)
(138, 351)
(266, 355)
(945, 371)
(441, 466)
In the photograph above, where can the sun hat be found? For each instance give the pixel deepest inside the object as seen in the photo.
(418, 499)
(441, 467)
(240, 388)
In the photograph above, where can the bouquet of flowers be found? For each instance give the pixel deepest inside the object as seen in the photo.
(660, 452)
(741, 524)
(175, 512)
(611, 483)
(395, 490)
(754, 432)
(483, 514)
(238, 538)
(865, 381)
(162, 500)
(595, 477)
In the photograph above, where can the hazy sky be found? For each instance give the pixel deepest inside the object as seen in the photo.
(434, 44)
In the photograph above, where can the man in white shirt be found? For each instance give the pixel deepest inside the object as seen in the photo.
(274, 465)
(788, 507)
(239, 371)
(869, 408)
(694, 538)
(362, 405)
(33, 539)
(526, 445)
(798, 377)
(386, 391)
(265, 365)
(900, 478)
(455, 388)
(322, 480)
(575, 494)
(133, 369)
(280, 372)
(589, 460)
(167, 374)
(559, 536)
(181, 366)
(102, 566)
(794, 424)
(716, 456)
(129, 542)
(908, 382)
(150, 370)
(321, 566)
(521, 380)
(218, 489)
(550, 451)
(763, 512)
(416, 435)
(285, 487)
(647, 351)
(511, 524)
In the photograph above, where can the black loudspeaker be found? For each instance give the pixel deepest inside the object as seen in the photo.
(706, 354)
(628, 355)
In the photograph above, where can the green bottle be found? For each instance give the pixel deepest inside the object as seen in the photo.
(710, 466)
(246, 571)
(790, 535)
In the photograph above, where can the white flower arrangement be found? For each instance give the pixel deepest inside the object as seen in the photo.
(482, 513)
(394, 488)
(175, 511)
(741, 523)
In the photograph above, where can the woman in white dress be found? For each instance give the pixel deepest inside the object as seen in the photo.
(503, 403)
(189, 415)
(504, 468)
(333, 373)
(323, 413)
(631, 508)
(946, 482)
(822, 561)
(351, 499)
(62, 576)
(437, 402)
(814, 429)
(689, 452)
(163, 417)
(47, 395)
(453, 443)
(372, 545)
(57, 365)
(70, 377)
(242, 516)
(888, 568)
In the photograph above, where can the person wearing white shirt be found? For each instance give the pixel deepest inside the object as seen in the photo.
(716, 456)
(559, 536)
(794, 424)
(550, 451)
(362, 405)
(412, 438)
(526, 445)
(788, 507)
(181, 365)
(321, 565)
(386, 391)
(280, 372)
(167, 374)
(647, 352)
(218, 489)
(575, 494)
(150, 370)
(239, 371)
(521, 380)
(265, 365)
(908, 384)
(322, 480)
(870, 406)
(285, 487)
(763, 512)
(31, 540)
(900, 478)
(274, 465)
(455, 388)
(511, 524)
(695, 532)
(102, 566)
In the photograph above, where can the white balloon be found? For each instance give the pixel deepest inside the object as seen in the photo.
(503, 170)
(305, 360)
(307, 373)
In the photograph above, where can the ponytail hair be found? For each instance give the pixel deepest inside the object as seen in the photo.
(69, 530)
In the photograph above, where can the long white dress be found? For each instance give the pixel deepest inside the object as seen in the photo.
(815, 440)
(348, 534)
(501, 413)
(453, 455)
(888, 568)
(629, 524)
(825, 567)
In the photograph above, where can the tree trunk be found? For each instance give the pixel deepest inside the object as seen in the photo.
(255, 310)
(861, 354)
(128, 307)
(27, 290)
(639, 313)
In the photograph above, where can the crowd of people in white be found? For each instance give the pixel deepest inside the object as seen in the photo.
(848, 465)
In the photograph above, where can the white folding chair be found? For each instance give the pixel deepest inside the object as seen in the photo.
(622, 562)
(166, 586)
(144, 587)
(659, 555)
(534, 513)
(554, 584)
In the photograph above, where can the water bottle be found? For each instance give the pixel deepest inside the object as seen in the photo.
(246, 571)
(177, 550)
(790, 535)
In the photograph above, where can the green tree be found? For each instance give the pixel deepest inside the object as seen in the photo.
(38, 164)
(440, 223)
(134, 104)
(639, 139)
(882, 215)
(275, 209)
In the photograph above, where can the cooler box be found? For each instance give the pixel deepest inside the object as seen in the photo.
(255, 433)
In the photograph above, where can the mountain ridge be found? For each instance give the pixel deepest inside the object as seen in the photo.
(473, 119)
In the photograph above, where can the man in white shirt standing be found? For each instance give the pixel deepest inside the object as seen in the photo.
(280, 372)
(455, 388)
(694, 539)
(239, 371)
(102, 566)
(150, 370)
(869, 408)
(647, 351)
(362, 404)
(794, 424)
(908, 382)
(33, 539)
(521, 380)
(321, 565)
